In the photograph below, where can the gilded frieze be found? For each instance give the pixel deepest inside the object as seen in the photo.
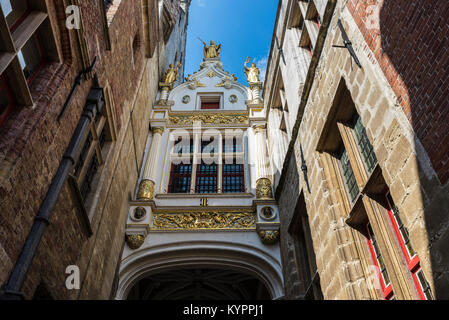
(209, 119)
(203, 220)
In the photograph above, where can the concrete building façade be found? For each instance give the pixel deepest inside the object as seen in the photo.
(323, 185)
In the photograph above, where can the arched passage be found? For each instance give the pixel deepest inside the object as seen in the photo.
(256, 265)
(199, 284)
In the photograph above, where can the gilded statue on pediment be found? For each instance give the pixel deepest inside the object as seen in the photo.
(211, 51)
(252, 74)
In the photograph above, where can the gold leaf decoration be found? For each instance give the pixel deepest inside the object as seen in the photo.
(209, 119)
(203, 220)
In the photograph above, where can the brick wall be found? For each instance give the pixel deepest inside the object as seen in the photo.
(410, 40)
(33, 141)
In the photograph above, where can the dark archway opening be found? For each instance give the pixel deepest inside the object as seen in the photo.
(199, 284)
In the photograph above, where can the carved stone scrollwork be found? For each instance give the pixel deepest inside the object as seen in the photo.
(269, 236)
(263, 189)
(146, 190)
(134, 241)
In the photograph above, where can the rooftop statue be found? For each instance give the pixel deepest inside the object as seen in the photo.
(171, 74)
(252, 74)
(211, 51)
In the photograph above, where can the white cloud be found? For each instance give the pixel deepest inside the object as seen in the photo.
(262, 65)
(200, 3)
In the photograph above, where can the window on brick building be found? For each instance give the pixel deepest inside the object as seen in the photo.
(27, 45)
(6, 99)
(217, 168)
(95, 149)
(304, 253)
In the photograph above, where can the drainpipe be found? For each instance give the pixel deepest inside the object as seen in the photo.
(12, 290)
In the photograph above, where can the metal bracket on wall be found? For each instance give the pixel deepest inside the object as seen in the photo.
(347, 44)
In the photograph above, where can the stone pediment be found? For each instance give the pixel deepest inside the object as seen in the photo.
(211, 78)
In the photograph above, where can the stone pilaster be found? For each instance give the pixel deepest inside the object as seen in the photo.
(146, 187)
(263, 183)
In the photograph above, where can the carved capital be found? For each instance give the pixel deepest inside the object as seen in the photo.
(269, 236)
(134, 241)
(259, 128)
(159, 130)
(146, 190)
(263, 189)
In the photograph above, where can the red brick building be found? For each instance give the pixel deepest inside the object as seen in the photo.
(90, 65)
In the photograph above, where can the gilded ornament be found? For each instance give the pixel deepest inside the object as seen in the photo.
(146, 190)
(139, 214)
(233, 98)
(171, 74)
(186, 99)
(211, 51)
(199, 84)
(259, 128)
(209, 119)
(211, 74)
(221, 84)
(252, 74)
(269, 236)
(159, 130)
(263, 189)
(203, 220)
(134, 241)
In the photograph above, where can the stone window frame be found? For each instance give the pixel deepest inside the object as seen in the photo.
(304, 20)
(34, 20)
(103, 122)
(299, 229)
(195, 160)
(369, 205)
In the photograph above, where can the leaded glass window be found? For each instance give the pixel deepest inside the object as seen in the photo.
(206, 178)
(233, 178)
(348, 175)
(364, 145)
(180, 177)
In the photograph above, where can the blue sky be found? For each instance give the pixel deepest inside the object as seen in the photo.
(243, 27)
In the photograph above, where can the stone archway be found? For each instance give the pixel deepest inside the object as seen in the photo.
(199, 284)
(231, 260)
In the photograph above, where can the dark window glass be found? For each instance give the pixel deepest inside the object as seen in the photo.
(230, 146)
(180, 176)
(30, 57)
(348, 175)
(425, 285)
(86, 186)
(379, 258)
(15, 11)
(210, 105)
(233, 180)
(83, 155)
(183, 146)
(6, 99)
(208, 146)
(206, 178)
(365, 147)
(402, 229)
